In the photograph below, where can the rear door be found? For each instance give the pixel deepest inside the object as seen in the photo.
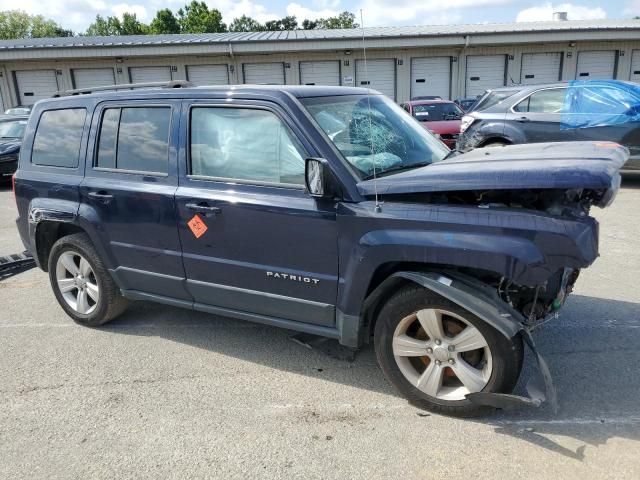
(128, 194)
(253, 240)
(538, 116)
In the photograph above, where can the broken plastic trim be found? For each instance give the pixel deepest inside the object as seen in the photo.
(540, 387)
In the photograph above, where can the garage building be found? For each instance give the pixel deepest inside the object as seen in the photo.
(449, 61)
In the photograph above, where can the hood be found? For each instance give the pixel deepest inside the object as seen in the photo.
(9, 145)
(443, 126)
(569, 165)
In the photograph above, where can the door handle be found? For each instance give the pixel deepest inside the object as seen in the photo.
(524, 119)
(203, 208)
(101, 196)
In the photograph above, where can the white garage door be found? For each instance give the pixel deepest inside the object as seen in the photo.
(540, 68)
(431, 76)
(34, 85)
(264, 73)
(93, 77)
(599, 65)
(484, 72)
(635, 66)
(320, 73)
(150, 74)
(208, 74)
(382, 76)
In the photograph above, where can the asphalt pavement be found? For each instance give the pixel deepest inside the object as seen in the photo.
(169, 393)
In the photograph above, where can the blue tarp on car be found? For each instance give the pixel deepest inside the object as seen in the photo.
(598, 103)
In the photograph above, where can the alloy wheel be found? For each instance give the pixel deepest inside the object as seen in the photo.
(442, 354)
(77, 282)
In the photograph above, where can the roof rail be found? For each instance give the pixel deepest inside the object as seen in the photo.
(124, 86)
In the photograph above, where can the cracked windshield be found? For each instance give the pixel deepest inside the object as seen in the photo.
(388, 139)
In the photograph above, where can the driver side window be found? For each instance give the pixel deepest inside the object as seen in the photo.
(544, 101)
(244, 144)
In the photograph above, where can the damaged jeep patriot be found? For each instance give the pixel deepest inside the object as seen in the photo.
(325, 210)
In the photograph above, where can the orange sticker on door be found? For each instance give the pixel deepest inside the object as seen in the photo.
(197, 226)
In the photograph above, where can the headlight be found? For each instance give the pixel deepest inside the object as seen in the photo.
(466, 122)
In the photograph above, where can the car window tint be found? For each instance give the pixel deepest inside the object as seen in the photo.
(244, 144)
(58, 138)
(544, 101)
(108, 138)
(135, 139)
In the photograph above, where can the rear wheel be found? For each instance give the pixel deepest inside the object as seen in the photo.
(435, 352)
(81, 283)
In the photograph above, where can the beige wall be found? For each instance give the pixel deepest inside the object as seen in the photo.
(402, 55)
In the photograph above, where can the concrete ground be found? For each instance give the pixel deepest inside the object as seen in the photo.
(167, 393)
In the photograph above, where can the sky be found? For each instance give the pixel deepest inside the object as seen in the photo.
(78, 14)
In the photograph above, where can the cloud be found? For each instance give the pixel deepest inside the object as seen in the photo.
(545, 12)
(302, 13)
(426, 12)
(632, 7)
(139, 10)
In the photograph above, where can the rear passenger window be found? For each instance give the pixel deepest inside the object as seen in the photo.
(244, 144)
(544, 101)
(58, 138)
(135, 139)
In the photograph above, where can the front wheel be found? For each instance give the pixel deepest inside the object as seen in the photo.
(435, 352)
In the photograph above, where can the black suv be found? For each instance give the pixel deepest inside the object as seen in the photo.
(591, 110)
(325, 210)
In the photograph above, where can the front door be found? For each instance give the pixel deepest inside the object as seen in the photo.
(538, 116)
(253, 240)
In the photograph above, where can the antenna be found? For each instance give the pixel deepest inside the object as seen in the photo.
(373, 152)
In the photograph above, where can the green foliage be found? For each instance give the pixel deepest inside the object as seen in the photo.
(286, 23)
(197, 18)
(129, 25)
(344, 20)
(245, 24)
(164, 22)
(19, 24)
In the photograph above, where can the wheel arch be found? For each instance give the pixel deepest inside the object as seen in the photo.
(47, 232)
(465, 291)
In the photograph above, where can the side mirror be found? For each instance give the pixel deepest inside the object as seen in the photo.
(318, 178)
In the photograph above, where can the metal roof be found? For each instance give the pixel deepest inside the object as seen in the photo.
(302, 35)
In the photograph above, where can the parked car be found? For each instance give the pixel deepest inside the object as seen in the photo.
(12, 130)
(441, 117)
(318, 209)
(558, 112)
(466, 103)
(18, 111)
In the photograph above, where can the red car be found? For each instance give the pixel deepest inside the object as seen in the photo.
(441, 117)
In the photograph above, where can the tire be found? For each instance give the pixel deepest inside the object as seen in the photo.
(495, 143)
(496, 366)
(102, 301)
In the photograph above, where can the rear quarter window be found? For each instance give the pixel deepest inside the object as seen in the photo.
(58, 138)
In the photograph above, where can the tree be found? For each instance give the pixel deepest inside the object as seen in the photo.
(245, 24)
(309, 24)
(164, 22)
(286, 23)
(19, 24)
(129, 25)
(344, 20)
(197, 18)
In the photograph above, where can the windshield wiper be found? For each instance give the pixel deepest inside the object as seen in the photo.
(399, 168)
(451, 154)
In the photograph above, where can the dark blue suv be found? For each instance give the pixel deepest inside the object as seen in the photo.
(324, 210)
